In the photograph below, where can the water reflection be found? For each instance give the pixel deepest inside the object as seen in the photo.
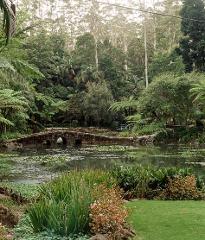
(37, 165)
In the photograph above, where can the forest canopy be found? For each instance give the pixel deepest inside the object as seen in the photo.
(84, 63)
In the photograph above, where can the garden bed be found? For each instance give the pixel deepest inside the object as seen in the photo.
(89, 204)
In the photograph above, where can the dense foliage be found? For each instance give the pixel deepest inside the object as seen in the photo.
(62, 75)
(83, 63)
(192, 46)
(159, 183)
(168, 100)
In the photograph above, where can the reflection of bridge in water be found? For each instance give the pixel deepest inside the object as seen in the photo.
(52, 137)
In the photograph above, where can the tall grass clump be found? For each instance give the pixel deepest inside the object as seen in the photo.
(64, 204)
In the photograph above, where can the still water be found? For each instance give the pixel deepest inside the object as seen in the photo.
(39, 165)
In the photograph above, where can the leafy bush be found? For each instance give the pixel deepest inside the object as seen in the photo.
(133, 180)
(97, 99)
(181, 188)
(162, 100)
(166, 63)
(142, 129)
(107, 213)
(64, 205)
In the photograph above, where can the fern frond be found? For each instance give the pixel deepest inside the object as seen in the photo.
(198, 92)
(5, 64)
(60, 105)
(12, 99)
(26, 70)
(124, 105)
(134, 118)
(5, 121)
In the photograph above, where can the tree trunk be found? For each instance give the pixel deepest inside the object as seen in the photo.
(96, 54)
(125, 52)
(155, 28)
(145, 49)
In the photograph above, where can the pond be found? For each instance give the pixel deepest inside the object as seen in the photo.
(39, 165)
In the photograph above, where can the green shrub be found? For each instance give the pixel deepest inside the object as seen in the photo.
(64, 204)
(160, 176)
(162, 100)
(133, 180)
(143, 129)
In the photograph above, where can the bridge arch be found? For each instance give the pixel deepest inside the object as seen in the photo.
(78, 142)
(47, 142)
(62, 140)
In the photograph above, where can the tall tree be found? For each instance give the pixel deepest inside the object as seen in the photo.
(192, 45)
(9, 17)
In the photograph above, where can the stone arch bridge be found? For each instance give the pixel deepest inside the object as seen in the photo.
(52, 137)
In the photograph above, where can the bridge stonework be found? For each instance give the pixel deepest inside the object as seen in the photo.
(71, 138)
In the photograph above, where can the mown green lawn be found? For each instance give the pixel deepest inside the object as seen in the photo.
(167, 220)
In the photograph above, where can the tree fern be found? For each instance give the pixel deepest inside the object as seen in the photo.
(13, 106)
(50, 106)
(11, 99)
(26, 70)
(136, 118)
(124, 105)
